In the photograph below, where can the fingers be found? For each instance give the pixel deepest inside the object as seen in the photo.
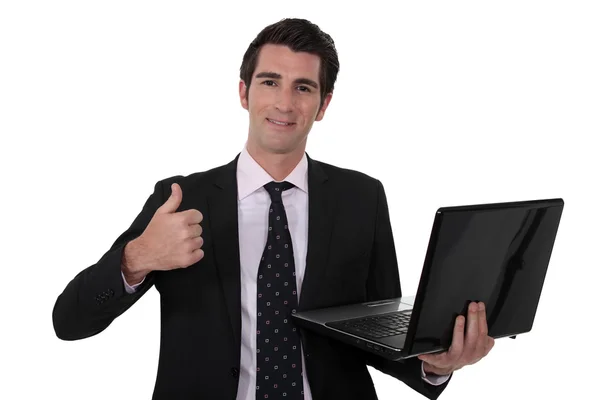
(458, 338)
(468, 346)
(173, 202)
(425, 357)
(483, 346)
(472, 334)
(435, 360)
(472, 322)
(197, 255)
(481, 343)
(453, 355)
(192, 216)
(483, 328)
(192, 252)
(194, 231)
(452, 359)
(196, 243)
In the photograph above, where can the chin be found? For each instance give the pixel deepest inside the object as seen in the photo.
(281, 149)
(276, 143)
(279, 145)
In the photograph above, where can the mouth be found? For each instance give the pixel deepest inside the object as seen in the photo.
(280, 123)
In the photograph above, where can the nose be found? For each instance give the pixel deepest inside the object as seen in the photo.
(285, 100)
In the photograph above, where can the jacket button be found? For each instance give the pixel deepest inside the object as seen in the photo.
(235, 372)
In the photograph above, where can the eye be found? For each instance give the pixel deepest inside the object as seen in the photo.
(268, 83)
(304, 89)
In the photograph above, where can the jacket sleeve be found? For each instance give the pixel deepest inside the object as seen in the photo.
(383, 282)
(96, 295)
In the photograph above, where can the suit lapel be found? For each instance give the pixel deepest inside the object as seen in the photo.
(320, 211)
(223, 220)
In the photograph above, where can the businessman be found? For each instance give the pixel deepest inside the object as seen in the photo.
(236, 250)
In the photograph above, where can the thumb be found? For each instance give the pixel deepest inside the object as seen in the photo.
(173, 201)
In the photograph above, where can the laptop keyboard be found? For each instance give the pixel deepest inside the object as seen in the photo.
(377, 326)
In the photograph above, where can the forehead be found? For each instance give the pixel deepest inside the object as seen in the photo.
(289, 64)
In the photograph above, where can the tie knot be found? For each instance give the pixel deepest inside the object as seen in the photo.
(276, 188)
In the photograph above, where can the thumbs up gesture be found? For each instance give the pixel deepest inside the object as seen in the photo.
(171, 240)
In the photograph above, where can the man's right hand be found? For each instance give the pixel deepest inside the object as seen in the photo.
(171, 240)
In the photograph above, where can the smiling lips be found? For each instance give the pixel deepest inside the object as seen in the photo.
(280, 123)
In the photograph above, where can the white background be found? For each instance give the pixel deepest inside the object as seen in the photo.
(447, 103)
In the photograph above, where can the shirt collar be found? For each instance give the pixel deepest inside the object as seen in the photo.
(251, 176)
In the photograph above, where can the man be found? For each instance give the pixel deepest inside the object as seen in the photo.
(234, 251)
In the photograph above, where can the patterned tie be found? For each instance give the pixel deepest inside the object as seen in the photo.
(278, 357)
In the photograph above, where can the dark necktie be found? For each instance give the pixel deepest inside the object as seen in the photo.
(278, 354)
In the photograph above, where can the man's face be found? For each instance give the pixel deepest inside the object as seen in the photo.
(283, 100)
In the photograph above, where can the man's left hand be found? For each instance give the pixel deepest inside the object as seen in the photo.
(463, 350)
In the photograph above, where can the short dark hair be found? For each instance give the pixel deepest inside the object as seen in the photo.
(299, 35)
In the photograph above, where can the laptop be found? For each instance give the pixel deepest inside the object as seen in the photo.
(496, 253)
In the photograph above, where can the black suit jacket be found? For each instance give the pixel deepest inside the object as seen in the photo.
(351, 258)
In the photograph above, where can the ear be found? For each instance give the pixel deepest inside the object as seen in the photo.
(321, 113)
(243, 97)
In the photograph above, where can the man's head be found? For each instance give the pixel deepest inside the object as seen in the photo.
(286, 83)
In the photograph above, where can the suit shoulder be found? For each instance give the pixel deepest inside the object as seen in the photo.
(348, 175)
(196, 177)
(193, 180)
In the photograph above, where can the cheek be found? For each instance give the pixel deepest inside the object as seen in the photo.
(256, 109)
(255, 99)
(260, 106)
(309, 111)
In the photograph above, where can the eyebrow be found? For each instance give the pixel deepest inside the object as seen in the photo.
(275, 75)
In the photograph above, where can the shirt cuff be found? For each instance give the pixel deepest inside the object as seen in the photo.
(128, 288)
(434, 380)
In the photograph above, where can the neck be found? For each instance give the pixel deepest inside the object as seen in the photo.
(279, 166)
